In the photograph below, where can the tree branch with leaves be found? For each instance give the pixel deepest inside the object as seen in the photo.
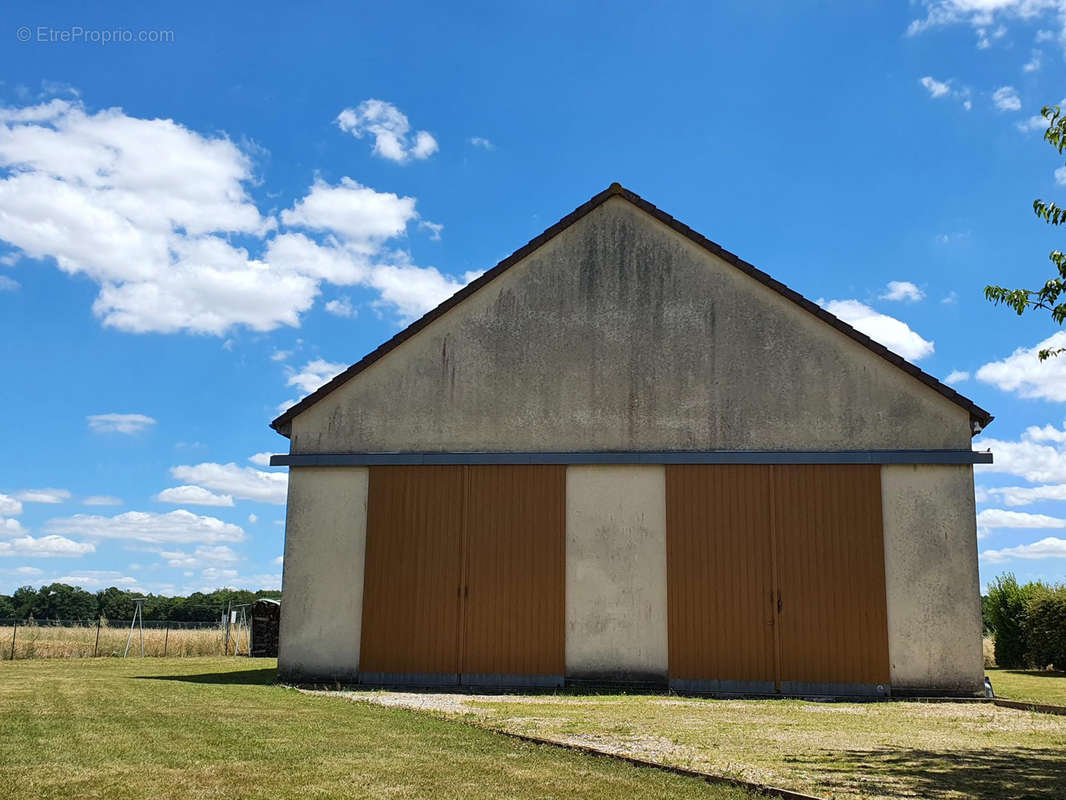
(1047, 297)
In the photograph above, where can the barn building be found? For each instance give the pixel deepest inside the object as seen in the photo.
(624, 455)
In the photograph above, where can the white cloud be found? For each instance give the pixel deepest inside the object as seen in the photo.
(1037, 121)
(414, 290)
(1047, 433)
(341, 307)
(1024, 373)
(8, 284)
(252, 519)
(11, 527)
(434, 229)
(482, 142)
(242, 483)
(1050, 547)
(956, 376)
(278, 561)
(159, 217)
(193, 496)
(1060, 176)
(143, 208)
(314, 374)
(42, 495)
(391, 131)
(988, 18)
(45, 547)
(9, 506)
(1024, 495)
(261, 459)
(216, 574)
(101, 500)
(889, 331)
(233, 579)
(1033, 123)
(1006, 99)
(936, 88)
(1029, 457)
(28, 571)
(980, 494)
(902, 290)
(950, 299)
(355, 224)
(1034, 62)
(119, 423)
(93, 579)
(175, 527)
(280, 355)
(356, 212)
(998, 518)
(285, 405)
(203, 556)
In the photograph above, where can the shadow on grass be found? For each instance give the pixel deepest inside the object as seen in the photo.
(1020, 772)
(246, 677)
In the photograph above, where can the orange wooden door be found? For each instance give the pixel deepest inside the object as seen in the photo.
(720, 601)
(412, 575)
(830, 561)
(513, 629)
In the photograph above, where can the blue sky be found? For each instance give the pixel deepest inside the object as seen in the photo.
(205, 212)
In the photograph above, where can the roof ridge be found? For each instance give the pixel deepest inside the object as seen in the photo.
(978, 416)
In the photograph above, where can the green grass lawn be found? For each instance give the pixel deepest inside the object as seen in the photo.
(1032, 686)
(877, 750)
(216, 727)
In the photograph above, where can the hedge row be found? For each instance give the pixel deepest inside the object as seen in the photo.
(1028, 622)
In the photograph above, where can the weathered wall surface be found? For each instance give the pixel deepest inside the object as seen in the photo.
(322, 580)
(934, 605)
(616, 573)
(621, 334)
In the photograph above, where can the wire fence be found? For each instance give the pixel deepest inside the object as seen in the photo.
(21, 639)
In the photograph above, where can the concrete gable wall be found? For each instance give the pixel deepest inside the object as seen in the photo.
(621, 334)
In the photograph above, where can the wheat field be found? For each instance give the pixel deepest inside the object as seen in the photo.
(46, 640)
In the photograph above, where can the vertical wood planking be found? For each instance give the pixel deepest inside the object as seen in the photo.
(831, 571)
(412, 571)
(719, 573)
(514, 607)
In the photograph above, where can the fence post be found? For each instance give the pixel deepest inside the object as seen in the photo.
(14, 628)
(166, 638)
(97, 645)
(225, 645)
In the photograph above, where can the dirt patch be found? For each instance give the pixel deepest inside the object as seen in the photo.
(419, 701)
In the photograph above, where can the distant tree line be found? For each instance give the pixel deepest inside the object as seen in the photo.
(60, 601)
(1027, 621)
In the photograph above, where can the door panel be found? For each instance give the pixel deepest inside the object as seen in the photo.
(719, 578)
(514, 603)
(829, 545)
(412, 575)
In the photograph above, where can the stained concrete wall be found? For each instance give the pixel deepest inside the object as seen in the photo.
(622, 334)
(932, 585)
(322, 579)
(616, 573)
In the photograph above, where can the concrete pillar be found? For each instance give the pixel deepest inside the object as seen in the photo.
(616, 573)
(931, 580)
(322, 581)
